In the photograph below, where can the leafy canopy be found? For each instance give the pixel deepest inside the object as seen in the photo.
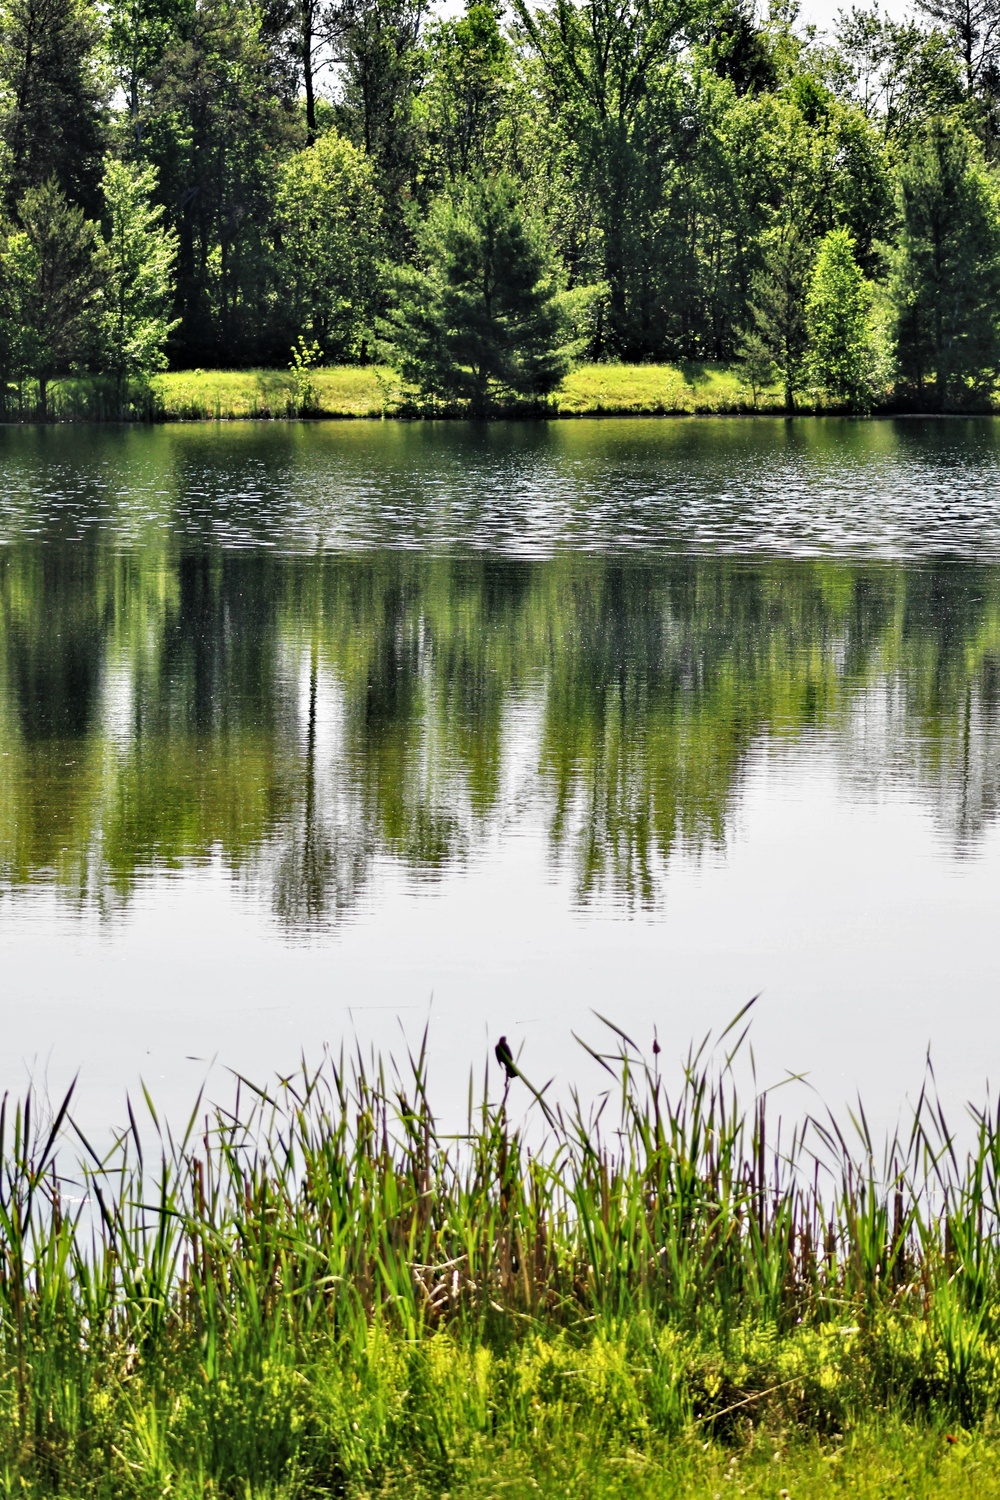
(329, 221)
(946, 264)
(838, 303)
(136, 268)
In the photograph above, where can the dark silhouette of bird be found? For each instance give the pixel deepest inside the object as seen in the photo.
(505, 1058)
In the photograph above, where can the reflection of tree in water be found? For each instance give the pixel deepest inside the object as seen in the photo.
(301, 718)
(55, 619)
(173, 751)
(673, 673)
(323, 857)
(932, 718)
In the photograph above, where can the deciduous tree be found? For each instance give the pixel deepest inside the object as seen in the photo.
(51, 261)
(379, 56)
(329, 223)
(136, 270)
(838, 305)
(610, 68)
(466, 94)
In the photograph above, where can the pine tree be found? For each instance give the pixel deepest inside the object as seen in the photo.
(778, 304)
(218, 125)
(946, 267)
(484, 321)
(51, 265)
(52, 114)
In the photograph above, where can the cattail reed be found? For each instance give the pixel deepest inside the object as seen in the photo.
(310, 1258)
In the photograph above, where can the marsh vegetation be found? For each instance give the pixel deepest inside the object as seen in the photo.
(316, 1289)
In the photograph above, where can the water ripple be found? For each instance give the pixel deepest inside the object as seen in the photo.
(885, 489)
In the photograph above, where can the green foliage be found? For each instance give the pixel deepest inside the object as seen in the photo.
(377, 50)
(609, 73)
(483, 323)
(897, 73)
(52, 97)
(946, 266)
(688, 158)
(218, 123)
(738, 48)
(971, 26)
(779, 308)
(328, 219)
(464, 103)
(52, 266)
(139, 35)
(135, 266)
(838, 311)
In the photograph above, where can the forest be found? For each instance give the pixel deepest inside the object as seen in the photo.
(480, 198)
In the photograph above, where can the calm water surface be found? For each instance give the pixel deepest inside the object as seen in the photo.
(308, 733)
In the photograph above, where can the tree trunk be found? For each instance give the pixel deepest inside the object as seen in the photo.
(307, 70)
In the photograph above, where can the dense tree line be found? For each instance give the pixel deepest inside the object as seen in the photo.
(213, 181)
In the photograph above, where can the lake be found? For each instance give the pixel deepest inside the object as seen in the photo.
(324, 733)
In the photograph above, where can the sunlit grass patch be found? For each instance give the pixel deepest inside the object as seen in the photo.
(340, 391)
(343, 391)
(688, 388)
(647, 390)
(352, 391)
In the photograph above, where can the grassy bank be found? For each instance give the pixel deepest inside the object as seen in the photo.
(370, 391)
(315, 1292)
(345, 391)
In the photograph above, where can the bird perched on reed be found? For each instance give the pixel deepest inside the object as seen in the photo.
(505, 1058)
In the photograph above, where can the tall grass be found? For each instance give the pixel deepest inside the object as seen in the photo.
(313, 1286)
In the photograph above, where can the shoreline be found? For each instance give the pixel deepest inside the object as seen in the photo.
(347, 393)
